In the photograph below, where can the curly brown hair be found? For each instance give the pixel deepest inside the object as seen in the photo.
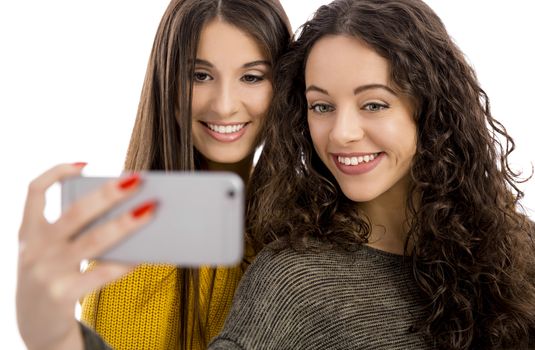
(473, 253)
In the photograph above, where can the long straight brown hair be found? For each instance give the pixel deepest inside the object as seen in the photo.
(161, 138)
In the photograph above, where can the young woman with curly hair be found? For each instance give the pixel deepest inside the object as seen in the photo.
(385, 197)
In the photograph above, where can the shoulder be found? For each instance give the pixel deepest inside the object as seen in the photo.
(315, 254)
(269, 270)
(274, 265)
(269, 300)
(280, 274)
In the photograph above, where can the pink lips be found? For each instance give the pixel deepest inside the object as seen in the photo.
(359, 169)
(230, 137)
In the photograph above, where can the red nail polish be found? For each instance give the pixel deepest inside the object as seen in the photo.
(129, 182)
(144, 209)
(79, 164)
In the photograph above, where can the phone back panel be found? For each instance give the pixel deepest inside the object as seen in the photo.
(199, 219)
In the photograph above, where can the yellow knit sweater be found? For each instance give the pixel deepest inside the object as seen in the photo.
(140, 311)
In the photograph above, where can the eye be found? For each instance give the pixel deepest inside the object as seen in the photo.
(321, 108)
(201, 77)
(251, 78)
(374, 107)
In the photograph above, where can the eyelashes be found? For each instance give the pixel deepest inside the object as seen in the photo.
(252, 78)
(202, 77)
(322, 108)
(375, 106)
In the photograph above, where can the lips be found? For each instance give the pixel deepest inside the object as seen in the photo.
(357, 163)
(228, 132)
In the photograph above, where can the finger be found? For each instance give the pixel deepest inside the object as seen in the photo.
(102, 274)
(103, 237)
(74, 286)
(35, 199)
(95, 204)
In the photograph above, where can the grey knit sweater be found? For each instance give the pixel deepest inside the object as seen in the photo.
(324, 300)
(319, 300)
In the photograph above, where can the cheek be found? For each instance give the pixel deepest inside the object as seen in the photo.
(199, 100)
(408, 135)
(258, 100)
(398, 137)
(319, 134)
(312, 131)
(405, 154)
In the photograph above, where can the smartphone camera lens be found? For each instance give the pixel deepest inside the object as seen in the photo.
(231, 193)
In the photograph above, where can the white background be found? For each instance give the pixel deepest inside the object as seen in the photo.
(71, 75)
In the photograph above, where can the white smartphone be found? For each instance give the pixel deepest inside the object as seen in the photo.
(199, 219)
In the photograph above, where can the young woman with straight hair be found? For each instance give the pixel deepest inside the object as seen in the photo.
(206, 92)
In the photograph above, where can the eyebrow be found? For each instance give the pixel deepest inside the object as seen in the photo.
(246, 65)
(356, 90)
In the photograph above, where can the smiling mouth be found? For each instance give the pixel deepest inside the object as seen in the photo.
(225, 129)
(357, 160)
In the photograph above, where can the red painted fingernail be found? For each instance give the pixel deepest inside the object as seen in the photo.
(129, 182)
(79, 164)
(144, 209)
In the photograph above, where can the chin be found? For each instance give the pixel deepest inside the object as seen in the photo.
(225, 157)
(359, 196)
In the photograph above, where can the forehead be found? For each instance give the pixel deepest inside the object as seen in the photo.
(220, 40)
(341, 58)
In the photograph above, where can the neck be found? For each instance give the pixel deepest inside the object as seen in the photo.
(388, 217)
(242, 168)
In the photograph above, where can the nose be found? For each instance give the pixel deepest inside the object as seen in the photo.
(347, 127)
(225, 102)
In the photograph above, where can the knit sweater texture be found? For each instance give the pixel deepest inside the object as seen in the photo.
(140, 311)
(332, 299)
(319, 300)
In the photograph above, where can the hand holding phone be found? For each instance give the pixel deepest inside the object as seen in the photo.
(49, 280)
(199, 220)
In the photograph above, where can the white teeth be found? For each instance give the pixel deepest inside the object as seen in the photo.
(228, 129)
(357, 160)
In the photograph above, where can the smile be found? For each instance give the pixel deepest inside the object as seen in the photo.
(225, 129)
(357, 164)
(357, 160)
(226, 132)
